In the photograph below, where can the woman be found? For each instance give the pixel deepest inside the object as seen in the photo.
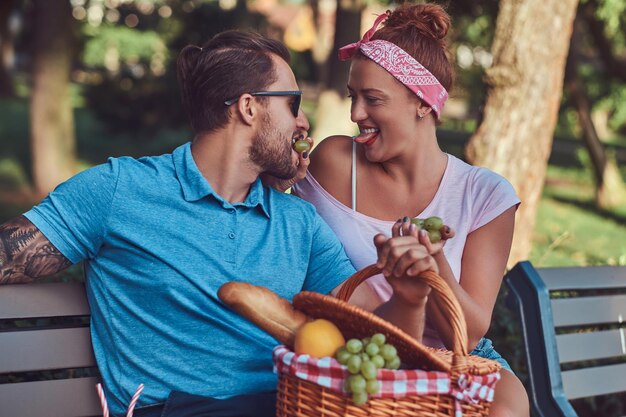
(394, 168)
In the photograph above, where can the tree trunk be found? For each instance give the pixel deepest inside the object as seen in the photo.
(6, 49)
(610, 191)
(53, 148)
(333, 110)
(525, 85)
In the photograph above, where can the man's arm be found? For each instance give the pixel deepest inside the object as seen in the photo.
(26, 254)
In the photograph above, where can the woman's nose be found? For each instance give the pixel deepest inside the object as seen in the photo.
(357, 113)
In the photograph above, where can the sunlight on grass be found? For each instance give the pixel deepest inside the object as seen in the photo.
(570, 230)
(568, 235)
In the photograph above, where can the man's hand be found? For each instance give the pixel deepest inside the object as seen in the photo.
(284, 185)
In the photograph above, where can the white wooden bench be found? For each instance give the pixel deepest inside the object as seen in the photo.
(571, 320)
(51, 340)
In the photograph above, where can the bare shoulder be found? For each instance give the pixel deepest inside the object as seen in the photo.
(26, 254)
(332, 158)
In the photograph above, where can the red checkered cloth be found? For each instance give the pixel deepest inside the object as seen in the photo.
(328, 372)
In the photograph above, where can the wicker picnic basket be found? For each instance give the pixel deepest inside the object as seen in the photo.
(300, 398)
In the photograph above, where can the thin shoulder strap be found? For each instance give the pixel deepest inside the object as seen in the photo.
(353, 176)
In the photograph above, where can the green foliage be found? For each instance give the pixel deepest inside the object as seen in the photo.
(470, 40)
(14, 132)
(614, 103)
(605, 89)
(613, 13)
(476, 30)
(130, 76)
(112, 46)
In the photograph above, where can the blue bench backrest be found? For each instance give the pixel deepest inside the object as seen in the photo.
(574, 338)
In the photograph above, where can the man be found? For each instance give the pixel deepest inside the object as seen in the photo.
(160, 235)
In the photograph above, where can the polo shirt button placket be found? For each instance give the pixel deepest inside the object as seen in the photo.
(231, 243)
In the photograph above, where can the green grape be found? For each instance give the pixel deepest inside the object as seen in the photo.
(354, 364)
(365, 357)
(433, 223)
(369, 370)
(354, 346)
(343, 355)
(359, 398)
(346, 385)
(372, 349)
(388, 352)
(301, 146)
(434, 236)
(357, 383)
(372, 386)
(379, 361)
(418, 222)
(393, 363)
(366, 341)
(379, 339)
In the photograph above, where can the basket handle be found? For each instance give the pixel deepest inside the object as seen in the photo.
(445, 297)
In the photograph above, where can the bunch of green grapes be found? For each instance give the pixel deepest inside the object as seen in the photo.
(363, 358)
(432, 225)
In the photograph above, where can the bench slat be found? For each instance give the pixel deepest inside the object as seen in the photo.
(19, 301)
(576, 347)
(34, 350)
(577, 278)
(68, 398)
(588, 310)
(590, 382)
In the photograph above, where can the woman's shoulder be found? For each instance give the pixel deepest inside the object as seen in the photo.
(481, 185)
(332, 157)
(476, 175)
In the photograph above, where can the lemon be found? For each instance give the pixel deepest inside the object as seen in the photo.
(318, 338)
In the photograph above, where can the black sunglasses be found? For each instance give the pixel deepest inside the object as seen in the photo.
(295, 104)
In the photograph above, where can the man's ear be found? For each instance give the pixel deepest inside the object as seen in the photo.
(248, 109)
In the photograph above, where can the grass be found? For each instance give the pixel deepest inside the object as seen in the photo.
(570, 230)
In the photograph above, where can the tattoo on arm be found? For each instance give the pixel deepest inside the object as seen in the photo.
(26, 254)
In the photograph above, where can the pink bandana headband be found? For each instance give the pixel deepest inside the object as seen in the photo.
(401, 65)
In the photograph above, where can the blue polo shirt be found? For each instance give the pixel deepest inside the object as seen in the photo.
(158, 243)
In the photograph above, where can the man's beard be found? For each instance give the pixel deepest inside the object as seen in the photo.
(271, 153)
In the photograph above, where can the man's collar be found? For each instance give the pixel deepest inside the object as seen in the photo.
(195, 187)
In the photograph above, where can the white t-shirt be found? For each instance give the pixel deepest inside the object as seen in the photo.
(468, 197)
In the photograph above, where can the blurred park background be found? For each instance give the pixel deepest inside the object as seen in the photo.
(540, 97)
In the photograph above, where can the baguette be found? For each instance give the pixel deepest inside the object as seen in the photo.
(263, 307)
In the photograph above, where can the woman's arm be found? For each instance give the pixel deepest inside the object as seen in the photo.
(483, 265)
(402, 259)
